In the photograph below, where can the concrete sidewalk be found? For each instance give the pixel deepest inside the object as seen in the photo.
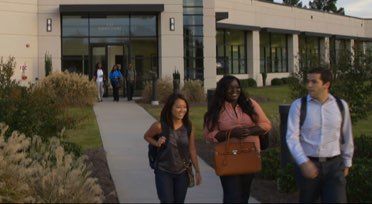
(122, 125)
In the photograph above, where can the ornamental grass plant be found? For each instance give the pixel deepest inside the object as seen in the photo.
(71, 89)
(35, 171)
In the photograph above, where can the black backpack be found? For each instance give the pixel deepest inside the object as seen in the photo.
(154, 152)
(304, 109)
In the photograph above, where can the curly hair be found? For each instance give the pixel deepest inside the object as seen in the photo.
(213, 113)
(166, 113)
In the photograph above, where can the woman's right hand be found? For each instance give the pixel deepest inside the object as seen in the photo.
(240, 132)
(161, 141)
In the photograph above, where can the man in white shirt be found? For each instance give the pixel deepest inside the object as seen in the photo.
(323, 146)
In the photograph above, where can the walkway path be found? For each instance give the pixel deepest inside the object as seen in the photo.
(122, 125)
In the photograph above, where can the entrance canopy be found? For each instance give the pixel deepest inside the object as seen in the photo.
(111, 8)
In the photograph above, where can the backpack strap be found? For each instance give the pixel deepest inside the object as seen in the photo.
(164, 132)
(303, 110)
(340, 107)
(342, 110)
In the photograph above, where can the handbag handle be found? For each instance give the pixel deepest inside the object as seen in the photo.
(228, 134)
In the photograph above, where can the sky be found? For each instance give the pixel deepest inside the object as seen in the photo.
(356, 8)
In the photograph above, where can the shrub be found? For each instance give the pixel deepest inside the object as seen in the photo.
(270, 163)
(70, 89)
(359, 181)
(41, 172)
(363, 146)
(284, 80)
(164, 89)
(276, 82)
(248, 83)
(31, 111)
(286, 179)
(193, 91)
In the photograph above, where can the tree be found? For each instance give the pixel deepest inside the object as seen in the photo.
(352, 80)
(326, 5)
(296, 3)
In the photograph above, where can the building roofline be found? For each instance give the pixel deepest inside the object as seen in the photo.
(236, 26)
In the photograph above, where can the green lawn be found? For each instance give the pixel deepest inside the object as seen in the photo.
(88, 136)
(269, 98)
(86, 133)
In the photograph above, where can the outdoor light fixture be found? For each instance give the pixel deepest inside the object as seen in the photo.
(49, 25)
(172, 24)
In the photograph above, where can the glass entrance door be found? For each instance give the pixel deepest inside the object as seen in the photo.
(109, 56)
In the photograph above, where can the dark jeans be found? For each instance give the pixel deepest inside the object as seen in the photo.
(329, 186)
(236, 189)
(115, 92)
(171, 188)
(130, 89)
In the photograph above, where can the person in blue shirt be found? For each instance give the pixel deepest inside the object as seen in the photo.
(323, 146)
(116, 79)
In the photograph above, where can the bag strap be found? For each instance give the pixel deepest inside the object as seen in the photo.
(164, 132)
(228, 134)
(303, 110)
(182, 153)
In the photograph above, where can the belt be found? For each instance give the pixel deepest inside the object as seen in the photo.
(323, 159)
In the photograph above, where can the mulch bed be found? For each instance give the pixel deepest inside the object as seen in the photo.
(97, 163)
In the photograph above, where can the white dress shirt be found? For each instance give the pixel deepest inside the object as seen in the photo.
(321, 131)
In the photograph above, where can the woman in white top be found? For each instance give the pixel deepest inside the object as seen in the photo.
(99, 78)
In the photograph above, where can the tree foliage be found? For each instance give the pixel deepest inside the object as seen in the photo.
(296, 3)
(326, 5)
(352, 80)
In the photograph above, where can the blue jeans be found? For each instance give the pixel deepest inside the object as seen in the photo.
(236, 189)
(171, 188)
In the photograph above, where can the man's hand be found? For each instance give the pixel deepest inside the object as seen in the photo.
(309, 170)
(346, 171)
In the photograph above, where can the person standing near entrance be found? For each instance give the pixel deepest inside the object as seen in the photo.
(99, 78)
(323, 146)
(116, 79)
(131, 81)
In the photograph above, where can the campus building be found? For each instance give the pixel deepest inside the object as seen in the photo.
(201, 39)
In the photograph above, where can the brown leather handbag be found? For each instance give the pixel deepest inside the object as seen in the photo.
(236, 158)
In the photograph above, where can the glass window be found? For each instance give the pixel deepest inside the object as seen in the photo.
(193, 20)
(309, 51)
(75, 46)
(193, 42)
(78, 64)
(193, 30)
(193, 11)
(231, 52)
(109, 26)
(192, 2)
(274, 52)
(75, 26)
(193, 39)
(143, 25)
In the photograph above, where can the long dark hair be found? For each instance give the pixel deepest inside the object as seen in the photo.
(213, 113)
(166, 113)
